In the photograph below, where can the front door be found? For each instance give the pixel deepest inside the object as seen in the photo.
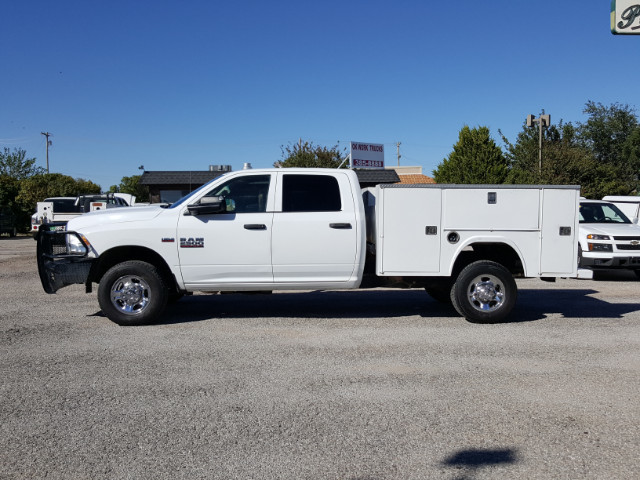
(231, 248)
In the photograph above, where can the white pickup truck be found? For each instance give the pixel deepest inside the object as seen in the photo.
(62, 209)
(54, 209)
(311, 229)
(607, 238)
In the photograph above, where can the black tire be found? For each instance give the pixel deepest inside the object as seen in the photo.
(579, 256)
(484, 292)
(637, 272)
(132, 293)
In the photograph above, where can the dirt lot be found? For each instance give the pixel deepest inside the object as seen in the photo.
(337, 385)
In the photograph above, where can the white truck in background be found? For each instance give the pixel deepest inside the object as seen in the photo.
(607, 238)
(60, 210)
(316, 229)
(64, 208)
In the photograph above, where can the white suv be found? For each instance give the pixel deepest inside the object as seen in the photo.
(607, 238)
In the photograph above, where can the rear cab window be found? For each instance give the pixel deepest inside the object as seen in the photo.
(310, 193)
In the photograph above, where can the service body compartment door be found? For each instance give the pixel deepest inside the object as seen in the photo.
(486, 208)
(409, 230)
(559, 247)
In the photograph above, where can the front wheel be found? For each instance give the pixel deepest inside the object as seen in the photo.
(132, 293)
(484, 292)
(579, 256)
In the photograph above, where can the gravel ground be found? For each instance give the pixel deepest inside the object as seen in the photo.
(360, 385)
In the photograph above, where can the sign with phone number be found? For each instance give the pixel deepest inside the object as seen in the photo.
(367, 155)
(368, 163)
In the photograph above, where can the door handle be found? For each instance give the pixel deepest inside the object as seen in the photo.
(254, 226)
(341, 226)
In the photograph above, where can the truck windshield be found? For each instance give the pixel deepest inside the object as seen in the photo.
(63, 205)
(601, 213)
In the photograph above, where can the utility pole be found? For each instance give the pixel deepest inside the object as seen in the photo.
(398, 147)
(542, 121)
(47, 134)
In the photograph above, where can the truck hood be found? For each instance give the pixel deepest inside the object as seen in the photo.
(114, 215)
(612, 229)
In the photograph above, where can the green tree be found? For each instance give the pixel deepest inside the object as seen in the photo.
(9, 187)
(38, 187)
(607, 129)
(631, 154)
(475, 159)
(611, 132)
(565, 161)
(14, 169)
(602, 154)
(308, 155)
(86, 186)
(16, 165)
(131, 185)
(631, 147)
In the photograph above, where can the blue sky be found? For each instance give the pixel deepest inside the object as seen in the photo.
(181, 85)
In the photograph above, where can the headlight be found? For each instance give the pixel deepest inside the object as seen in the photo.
(592, 236)
(75, 246)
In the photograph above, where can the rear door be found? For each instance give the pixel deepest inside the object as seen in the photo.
(314, 228)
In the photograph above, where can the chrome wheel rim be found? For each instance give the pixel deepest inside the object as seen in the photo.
(486, 293)
(130, 294)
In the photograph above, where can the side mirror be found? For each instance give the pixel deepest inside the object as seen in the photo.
(208, 206)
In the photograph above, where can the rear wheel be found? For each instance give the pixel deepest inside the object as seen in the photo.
(484, 292)
(132, 293)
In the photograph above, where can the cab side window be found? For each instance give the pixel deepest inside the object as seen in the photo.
(247, 194)
(310, 193)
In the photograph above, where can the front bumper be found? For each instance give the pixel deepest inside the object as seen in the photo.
(632, 263)
(56, 266)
